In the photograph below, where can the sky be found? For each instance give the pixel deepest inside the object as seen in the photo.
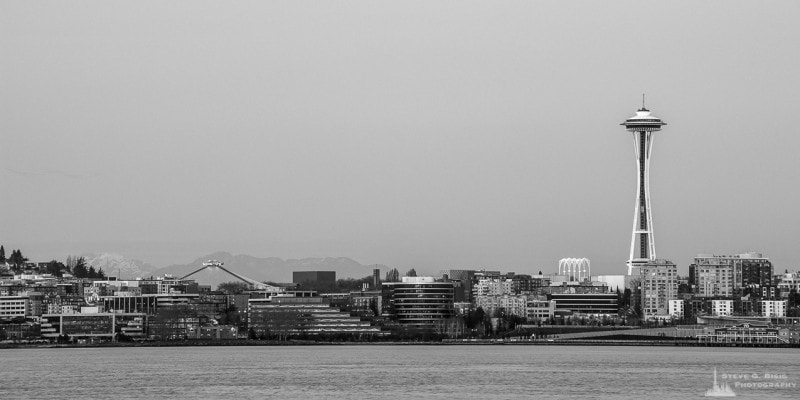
(424, 134)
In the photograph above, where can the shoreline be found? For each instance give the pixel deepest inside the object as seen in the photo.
(483, 342)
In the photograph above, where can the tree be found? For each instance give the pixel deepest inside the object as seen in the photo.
(91, 274)
(233, 287)
(373, 306)
(17, 259)
(80, 270)
(625, 299)
(352, 285)
(278, 323)
(392, 275)
(70, 263)
(231, 316)
(474, 320)
(793, 304)
(55, 268)
(411, 272)
(2, 254)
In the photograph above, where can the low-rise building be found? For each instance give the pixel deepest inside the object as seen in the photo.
(773, 308)
(676, 309)
(293, 316)
(744, 334)
(721, 308)
(540, 309)
(597, 304)
(14, 306)
(511, 304)
(367, 303)
(212, 332)
(93, 325)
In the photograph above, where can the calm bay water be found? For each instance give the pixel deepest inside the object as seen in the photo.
(391, 372)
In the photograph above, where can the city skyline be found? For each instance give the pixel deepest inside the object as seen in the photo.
(479, 136)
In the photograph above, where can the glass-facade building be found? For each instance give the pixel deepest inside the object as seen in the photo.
(420, 302)
(287, 315)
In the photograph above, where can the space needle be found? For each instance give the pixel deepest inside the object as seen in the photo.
(642, 125)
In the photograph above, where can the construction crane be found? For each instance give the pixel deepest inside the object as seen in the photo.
(213, 264)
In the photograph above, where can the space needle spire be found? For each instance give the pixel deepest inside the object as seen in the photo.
(643, 245)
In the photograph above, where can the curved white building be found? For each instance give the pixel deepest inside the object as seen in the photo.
(575, 269)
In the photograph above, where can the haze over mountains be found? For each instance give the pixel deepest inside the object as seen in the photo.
(261, 269)
(116, 265)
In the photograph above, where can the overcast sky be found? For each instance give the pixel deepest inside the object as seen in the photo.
(410, 133)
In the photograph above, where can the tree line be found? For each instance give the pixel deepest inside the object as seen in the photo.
(74, 265)
(16, 261)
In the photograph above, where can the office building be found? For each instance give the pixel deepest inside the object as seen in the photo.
(420, 301)
(321, 281)
(286, 315)
(597, 304)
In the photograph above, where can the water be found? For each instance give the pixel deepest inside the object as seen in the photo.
(390, 372)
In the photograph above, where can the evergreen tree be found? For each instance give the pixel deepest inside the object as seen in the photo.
(411, 272)
(16, 259)
(2, 254)
(55, 268)
(233, 287)
(392, 275)
(80, 270)
(91, 274)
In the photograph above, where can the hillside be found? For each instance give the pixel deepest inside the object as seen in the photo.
(267, 269)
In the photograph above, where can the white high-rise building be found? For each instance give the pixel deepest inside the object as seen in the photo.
(659, 284)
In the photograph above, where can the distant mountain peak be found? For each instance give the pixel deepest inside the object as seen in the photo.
(114, 264)
(267, 268)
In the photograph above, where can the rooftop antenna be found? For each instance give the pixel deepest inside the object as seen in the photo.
(643, 107)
